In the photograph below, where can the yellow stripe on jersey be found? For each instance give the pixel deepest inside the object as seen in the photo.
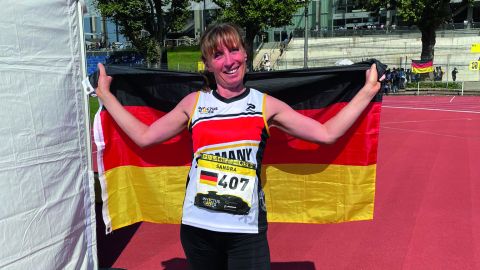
(264, 113)
(193, 110)
(228, 168)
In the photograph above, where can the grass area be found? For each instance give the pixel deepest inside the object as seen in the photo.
(179, 58)
(184, 58)
(93, 107)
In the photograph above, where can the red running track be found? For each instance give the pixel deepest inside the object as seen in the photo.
(427, 209)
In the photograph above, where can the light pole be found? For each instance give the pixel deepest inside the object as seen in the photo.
(305, 47)
(204, 20)
(333, 16)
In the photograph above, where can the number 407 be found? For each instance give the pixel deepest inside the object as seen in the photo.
(233, 182)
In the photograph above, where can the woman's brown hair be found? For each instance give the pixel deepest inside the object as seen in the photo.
(226, 34)
(217, 34)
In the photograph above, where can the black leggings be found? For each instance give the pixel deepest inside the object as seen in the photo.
(209, 250)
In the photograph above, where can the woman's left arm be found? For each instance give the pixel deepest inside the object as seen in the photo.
(285, 118)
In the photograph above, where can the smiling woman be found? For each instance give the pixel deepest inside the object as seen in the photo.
(224, 219)
(223, 52)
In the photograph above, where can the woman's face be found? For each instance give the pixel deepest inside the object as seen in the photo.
(228, 66)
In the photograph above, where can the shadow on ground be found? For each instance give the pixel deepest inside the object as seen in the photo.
(181, 264)
(110, 246)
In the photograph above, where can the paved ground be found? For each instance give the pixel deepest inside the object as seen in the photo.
(427, 213)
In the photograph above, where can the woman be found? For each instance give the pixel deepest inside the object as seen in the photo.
(224, 216)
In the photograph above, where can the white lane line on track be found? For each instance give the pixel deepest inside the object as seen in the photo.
(452, 99)
(429, 109)
(425, 132)
(429, 120)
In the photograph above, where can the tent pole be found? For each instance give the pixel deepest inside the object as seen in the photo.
(91, 233)
(83, 72)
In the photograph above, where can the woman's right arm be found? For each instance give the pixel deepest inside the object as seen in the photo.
(143, 135)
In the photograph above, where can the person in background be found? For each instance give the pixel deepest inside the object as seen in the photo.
(454, 74)
(408, 75)
(268, 65)
(228, 231)
(395, 80)
(402, 76)
(440, 73)
(387, 83)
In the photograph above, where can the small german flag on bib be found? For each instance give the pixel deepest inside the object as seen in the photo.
(208, 178)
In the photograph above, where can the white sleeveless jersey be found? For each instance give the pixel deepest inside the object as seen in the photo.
(224, 191)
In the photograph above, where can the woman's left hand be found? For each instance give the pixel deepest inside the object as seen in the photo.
(372, 83)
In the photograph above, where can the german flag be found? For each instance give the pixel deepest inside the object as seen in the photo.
(303, 182)
(208, 178)
(422, 66)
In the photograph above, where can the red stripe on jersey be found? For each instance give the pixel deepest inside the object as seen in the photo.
(216, 131)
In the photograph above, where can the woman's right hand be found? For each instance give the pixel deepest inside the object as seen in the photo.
(104, 81)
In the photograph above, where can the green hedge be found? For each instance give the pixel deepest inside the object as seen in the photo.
(435, 85)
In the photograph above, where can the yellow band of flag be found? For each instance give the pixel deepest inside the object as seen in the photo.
(422, 70)
(323, 193)
(207, 182)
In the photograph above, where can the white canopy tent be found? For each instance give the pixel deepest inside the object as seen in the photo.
(47, 218)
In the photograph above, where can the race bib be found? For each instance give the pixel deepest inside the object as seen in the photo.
(225, 184)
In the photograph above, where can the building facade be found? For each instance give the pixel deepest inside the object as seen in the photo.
(322, 17)
(99, 31)
(330, 17)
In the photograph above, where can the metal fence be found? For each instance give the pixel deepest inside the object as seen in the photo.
(427, 88)
(448, 29)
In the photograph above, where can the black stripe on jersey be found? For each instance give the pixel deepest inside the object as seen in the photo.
(262, 214)
(232, 99)
(220, 116)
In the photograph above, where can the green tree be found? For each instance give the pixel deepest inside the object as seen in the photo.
(257, 15)
(146, 22)
(427, 15)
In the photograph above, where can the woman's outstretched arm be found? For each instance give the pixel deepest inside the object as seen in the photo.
(285, 118)
(143, 135)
